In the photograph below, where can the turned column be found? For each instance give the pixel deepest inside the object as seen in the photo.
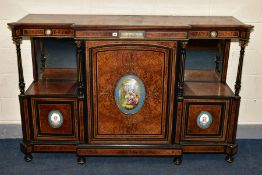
(180, 94)
(218, 58)
(182, 69)
(232, 147)
(79, 68)
(243, 44)
(17, 41)
(42, 54)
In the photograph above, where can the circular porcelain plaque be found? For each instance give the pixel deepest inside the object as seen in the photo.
(130, 94)
(55, 119)
(204, 119)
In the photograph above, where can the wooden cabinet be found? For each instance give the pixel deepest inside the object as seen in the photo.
(129, 85)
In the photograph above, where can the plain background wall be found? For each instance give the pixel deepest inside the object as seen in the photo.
(248, 11)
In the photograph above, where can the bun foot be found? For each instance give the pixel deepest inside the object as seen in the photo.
(81, 160)
(229, 158)
(178, 160)
(28, 157)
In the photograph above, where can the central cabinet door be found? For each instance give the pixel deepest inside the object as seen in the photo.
(130, 91)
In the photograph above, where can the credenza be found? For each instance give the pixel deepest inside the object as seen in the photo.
(110, 85)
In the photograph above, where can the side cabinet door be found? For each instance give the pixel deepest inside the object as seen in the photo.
(205, 120)
(130, 91)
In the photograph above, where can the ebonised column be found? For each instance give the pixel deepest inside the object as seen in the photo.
(243, 44)
(182, 69)
(79, 54)
(17, 41)
(42, 54)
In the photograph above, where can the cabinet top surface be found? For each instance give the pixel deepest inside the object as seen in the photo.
(131, 20)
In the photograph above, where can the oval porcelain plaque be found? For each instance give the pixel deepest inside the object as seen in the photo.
(55, 119)
(130, 94)
(204, 119)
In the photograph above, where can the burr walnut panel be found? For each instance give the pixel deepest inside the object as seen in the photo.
(108, 64)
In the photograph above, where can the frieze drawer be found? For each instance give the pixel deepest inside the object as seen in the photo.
(123, 34)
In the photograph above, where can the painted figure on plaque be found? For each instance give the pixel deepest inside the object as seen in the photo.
(204, 119)
(55, 119)
(130, 94)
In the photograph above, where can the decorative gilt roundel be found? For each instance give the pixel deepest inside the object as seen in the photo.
(213, 34)
(55, 119)
(130, 94)
(204, 119)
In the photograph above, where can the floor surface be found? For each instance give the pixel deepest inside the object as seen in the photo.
(247, 161)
